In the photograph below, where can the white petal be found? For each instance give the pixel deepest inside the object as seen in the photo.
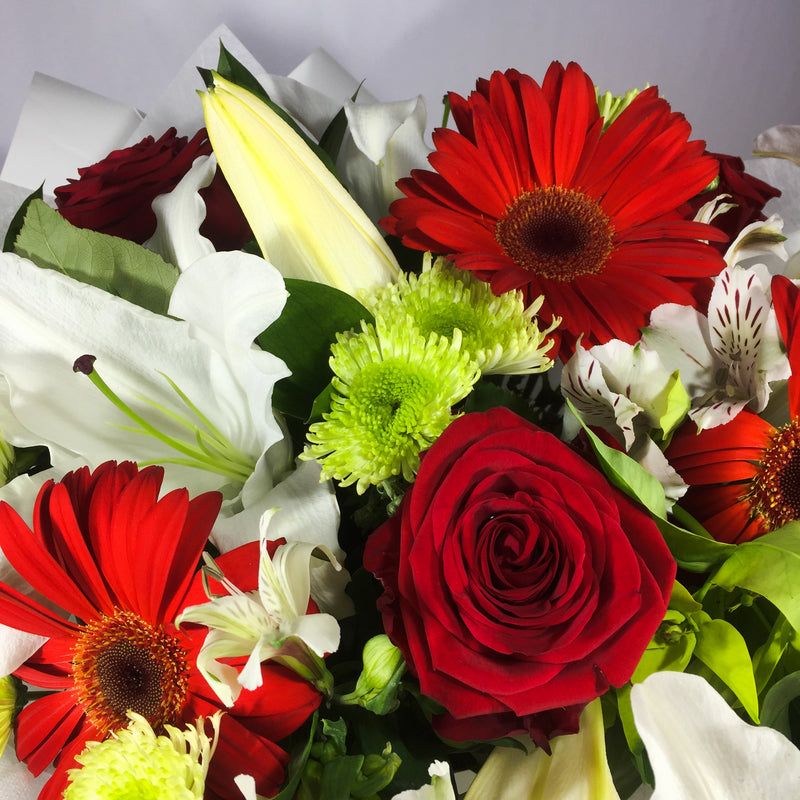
(40, 342)
(384, 142)
(16, 647)
(180, 213)
(584, 383)
(700, 749)
(780, 141)
(247, 786)
(679, 334)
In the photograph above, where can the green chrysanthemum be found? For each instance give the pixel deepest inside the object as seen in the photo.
(499, 333)
(393, 395)
(135, 764)
(9, 707)
(611, 106)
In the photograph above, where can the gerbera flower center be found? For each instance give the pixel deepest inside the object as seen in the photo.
(122, 663)
(775, 490)
(557, 233)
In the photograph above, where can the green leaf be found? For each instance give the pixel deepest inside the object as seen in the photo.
(486, 395)
(333, 136)
(230, 68)
(691, 550)
(671, 648)
(297, 764)
(766, 658)
(302, 337)
(674, 405)
(16, 223)
(775, 708)
(769, 566)
(724, 651)
(626, 474)
(117, 266)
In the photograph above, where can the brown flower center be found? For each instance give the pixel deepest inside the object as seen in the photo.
(775, 490)
(123, 663)
(557, 233)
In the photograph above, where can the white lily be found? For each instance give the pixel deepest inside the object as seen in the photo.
(179, 215)
(223, 302)
(576, 770)
(270, 623)
(728, 359)
(701, 750)
(303, 219)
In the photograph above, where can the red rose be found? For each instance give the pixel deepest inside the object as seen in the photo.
(518, 583)
(115, 195)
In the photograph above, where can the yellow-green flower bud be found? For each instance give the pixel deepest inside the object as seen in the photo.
(376, 688)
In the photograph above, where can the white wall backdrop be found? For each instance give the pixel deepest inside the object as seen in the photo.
(732, 66)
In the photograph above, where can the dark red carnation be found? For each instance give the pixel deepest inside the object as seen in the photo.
(518, 584)
(750, 194)
(115, 195)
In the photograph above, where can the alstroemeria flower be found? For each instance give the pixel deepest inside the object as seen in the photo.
(701, 750)
(303, 219)
(728, 358)
(269, 623)
(627, 391)
(138, 354)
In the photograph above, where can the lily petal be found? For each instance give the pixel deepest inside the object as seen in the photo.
(304, 220)
(701, 750)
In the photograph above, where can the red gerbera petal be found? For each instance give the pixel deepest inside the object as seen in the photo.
(530, 193)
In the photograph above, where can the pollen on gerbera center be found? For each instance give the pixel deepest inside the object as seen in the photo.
(775, 490)
(122, 663)
(556, 233)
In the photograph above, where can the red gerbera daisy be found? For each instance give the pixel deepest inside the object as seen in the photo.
(744, 476)
(532, 194)
(109, 552)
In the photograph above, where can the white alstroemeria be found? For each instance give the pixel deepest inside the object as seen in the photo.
(701, 750)
(577, 769)
(622, 388)
(179, 215)
(759, 243)
(626, 390)
(728, 359)
(270, 623)
(223, 301)
(440, 787)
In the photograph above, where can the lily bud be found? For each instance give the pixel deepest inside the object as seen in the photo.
(304, 221)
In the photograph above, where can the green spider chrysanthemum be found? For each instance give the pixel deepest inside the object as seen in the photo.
(611, 106)
(499, 333)
(393, 395)
(9, 707)
(135, 764)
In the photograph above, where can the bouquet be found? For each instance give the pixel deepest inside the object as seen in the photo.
(339, 465)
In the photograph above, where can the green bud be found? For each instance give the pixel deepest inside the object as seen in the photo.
(377, 686)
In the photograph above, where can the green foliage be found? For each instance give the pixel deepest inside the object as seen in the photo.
(769, 566)
(302, 337)
(16, 222)
(117, 266)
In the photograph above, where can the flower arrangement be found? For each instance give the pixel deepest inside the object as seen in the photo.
(339, 466)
